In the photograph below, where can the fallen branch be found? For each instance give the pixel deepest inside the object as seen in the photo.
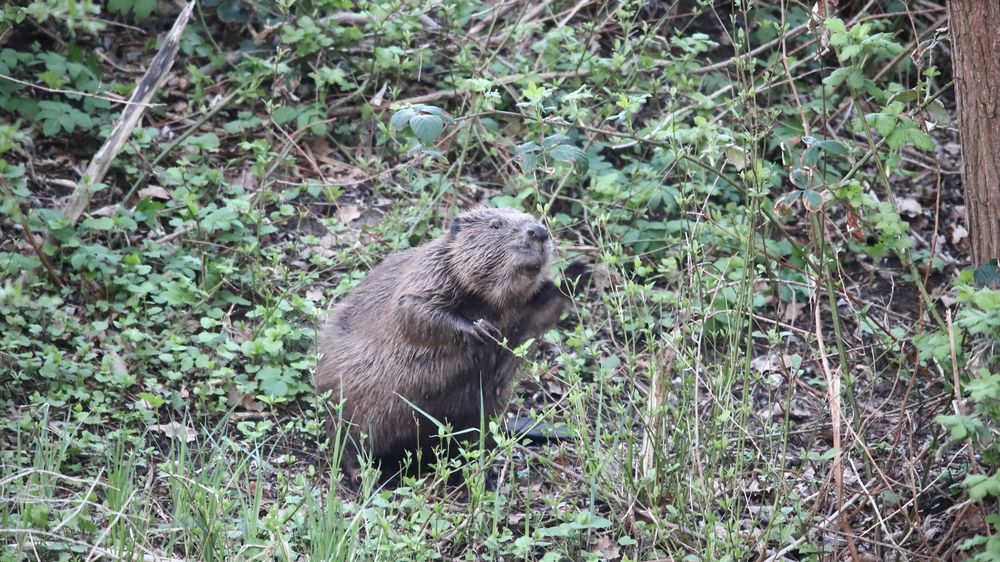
(145, 88)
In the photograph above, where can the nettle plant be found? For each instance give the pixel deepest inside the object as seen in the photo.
(974, 339)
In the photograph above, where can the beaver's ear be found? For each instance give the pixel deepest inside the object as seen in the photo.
(456, 225)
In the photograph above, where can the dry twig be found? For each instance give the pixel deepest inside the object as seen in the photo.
(147, 86)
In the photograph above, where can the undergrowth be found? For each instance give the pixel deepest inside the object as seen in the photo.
(781, 355)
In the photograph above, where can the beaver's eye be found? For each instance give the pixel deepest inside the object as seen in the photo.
(496, 225)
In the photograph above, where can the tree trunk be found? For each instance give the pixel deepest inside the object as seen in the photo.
(975, 43)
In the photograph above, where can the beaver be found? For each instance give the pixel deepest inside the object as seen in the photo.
(424, 330)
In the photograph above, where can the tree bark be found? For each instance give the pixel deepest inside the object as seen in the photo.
(975, 45)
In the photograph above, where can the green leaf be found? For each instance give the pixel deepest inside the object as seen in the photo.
(284, 114)
(143, 8)
(50, 127)
(401, 119)
(812, 200)
(208, 141)
(103, 223)
(553, 140)
(835, 26)
(153, 400)
(736, 156)
(832, 146)
(982, 485)
(566, 153)
(274, 387)
(219, 219)
(427, 128)
(920, 139)
(987, 275)
(896, 138)
(837, 77)
(830, 454)
(430, 109)
(849, 52)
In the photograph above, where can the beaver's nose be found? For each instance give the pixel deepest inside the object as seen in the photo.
(537, 232)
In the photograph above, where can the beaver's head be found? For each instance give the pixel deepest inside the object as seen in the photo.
(501, 255)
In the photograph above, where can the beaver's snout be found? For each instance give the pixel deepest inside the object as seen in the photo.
(537, 232)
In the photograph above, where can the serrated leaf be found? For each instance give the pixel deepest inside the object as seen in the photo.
(981, 485)
(570, 153)
(849, 52)
(427, 128)
(884, 124)
(552, 140)
(527, 148)
(920, 139)
(835, 25)
(837, 77)
(566, 153)
(896, 138)
(401, 118)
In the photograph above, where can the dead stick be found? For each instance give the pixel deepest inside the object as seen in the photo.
(155, 75)
(30, 236)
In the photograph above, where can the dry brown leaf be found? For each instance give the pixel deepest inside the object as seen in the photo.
(607, 547)
(909, 206)
(118, 365)
(348, 213)
(377, 99)
(601, 277)
(176, 431)
(247, 180)
(792, 312)
(245, 401)
(959, 234)
(155, 192)
(854, 227)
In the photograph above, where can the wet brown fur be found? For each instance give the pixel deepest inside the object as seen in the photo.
(410, 330)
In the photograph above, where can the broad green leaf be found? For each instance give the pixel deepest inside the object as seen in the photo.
(401, 119)
(102, 223)
(566, 153)
(920, 139)
(552, 140)
(430, 109)
(812, 200)
(284, 114)
(427, 128)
